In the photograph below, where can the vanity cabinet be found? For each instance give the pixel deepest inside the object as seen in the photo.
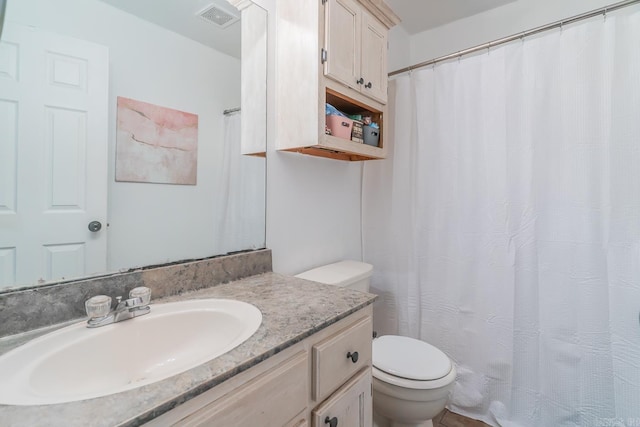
(259, 402)
(319, 377)
(330, 51)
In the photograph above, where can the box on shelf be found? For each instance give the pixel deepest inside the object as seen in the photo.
(356, 132)
(371, 135)
(340, 126)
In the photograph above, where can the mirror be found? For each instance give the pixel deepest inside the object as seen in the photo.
(72, 75)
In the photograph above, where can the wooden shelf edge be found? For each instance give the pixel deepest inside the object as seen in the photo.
(256, 154)
(332, 147)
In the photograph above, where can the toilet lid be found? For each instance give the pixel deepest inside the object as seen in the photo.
(409, 358)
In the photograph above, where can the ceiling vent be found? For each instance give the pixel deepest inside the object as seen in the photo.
(220, 17)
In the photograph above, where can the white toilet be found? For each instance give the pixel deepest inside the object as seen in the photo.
(411, 379)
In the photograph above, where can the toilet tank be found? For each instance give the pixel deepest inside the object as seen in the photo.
(350, 274)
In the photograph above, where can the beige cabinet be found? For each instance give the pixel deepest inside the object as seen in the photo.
(374, 58)
(349, 406)
(355, 52)
(332, 51)
(341, 53)
(326, 375)
(253, 77)
(259, 402)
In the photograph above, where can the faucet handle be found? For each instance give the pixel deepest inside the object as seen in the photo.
(141, 292)
(98, 306)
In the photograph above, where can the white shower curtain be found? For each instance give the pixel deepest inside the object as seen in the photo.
(241, 210)
(505, 227)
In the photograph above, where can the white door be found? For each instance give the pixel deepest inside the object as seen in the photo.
(53, 155)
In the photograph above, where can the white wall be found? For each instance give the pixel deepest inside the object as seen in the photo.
(313, 211)
(399, 48)
(494, 24)
(152, 223)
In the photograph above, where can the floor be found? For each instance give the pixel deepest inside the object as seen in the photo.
(447, 418)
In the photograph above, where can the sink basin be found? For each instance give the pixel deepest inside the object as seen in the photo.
(78, 363)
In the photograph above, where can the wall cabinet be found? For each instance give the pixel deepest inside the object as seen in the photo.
(327, 376)
(330, 51)
(356, 49)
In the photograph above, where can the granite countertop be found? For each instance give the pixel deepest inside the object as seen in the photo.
(292, 310)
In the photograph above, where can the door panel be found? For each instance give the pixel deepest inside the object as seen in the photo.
(351, 405)
(53, 155)
(342, 33)
(374, 58)
(8, 153)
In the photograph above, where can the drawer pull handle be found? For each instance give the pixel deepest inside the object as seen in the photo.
(353, 356)
(360, 81)
(368, 85)
(333, 422)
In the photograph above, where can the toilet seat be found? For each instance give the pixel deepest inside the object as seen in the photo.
(410, 363)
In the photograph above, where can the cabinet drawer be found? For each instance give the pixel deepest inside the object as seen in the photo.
(335, 360)
(272, 399)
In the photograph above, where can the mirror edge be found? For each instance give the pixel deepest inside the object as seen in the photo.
(3, 8)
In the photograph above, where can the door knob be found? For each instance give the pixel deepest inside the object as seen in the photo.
(360, 81)
(368, 85)
(333, 422)
(95, 226)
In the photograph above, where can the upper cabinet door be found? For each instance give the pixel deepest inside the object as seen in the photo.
(343, 42)
(374, 58)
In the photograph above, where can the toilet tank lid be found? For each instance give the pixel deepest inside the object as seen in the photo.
(342, 273)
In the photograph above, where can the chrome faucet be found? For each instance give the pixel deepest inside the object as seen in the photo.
(99, 307)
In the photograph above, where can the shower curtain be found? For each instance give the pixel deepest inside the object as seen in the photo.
(241, 212)
(505, 226)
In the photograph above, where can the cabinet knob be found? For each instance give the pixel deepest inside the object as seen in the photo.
(333, 422)
(368, 85)
(360, 81)
(353, 356)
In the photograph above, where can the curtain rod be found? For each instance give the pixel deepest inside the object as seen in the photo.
(235, 110)
(557, 24)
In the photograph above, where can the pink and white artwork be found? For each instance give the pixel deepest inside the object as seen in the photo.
(155, 144)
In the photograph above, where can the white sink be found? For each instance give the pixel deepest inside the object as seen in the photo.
(78, 363)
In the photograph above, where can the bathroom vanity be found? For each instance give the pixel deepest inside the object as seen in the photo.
(308, 364)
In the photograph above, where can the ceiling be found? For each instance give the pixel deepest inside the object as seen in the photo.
(181, 16)
(422, 15)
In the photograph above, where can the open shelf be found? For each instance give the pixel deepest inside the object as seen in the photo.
(344, 149)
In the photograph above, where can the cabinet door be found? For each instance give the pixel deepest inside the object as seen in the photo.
(374, 58)
(343, 42)
(350, 406)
